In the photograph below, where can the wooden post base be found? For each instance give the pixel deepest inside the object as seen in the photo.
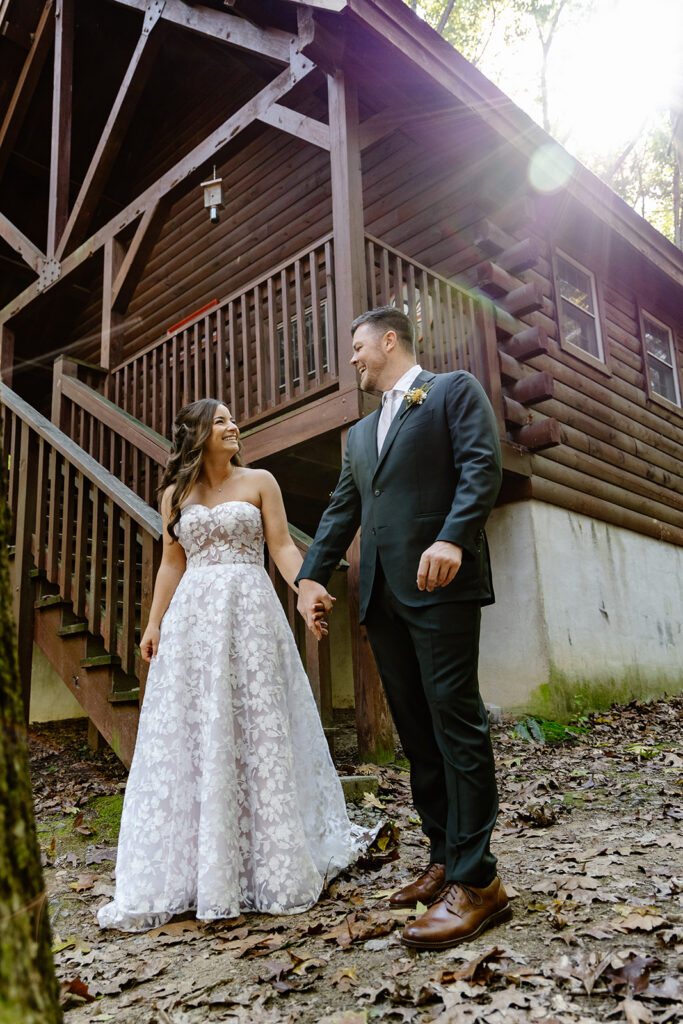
(374, 726)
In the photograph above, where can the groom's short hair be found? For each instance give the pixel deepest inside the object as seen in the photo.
(388, 318)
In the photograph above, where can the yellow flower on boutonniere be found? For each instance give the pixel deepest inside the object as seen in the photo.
(416, 396)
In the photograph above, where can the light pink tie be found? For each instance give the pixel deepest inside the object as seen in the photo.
(390, 401)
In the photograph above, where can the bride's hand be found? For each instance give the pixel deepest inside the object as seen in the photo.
(149, 643)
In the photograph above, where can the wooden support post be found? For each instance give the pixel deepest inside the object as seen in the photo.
(23, 597)
(6, 355)
(374, 726)
(347, 217)
(60, 159)
(111, 350)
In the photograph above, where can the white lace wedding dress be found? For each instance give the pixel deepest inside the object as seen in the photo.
(232, 802)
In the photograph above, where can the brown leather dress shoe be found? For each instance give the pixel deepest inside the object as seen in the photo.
(425, 889)
(463, 913)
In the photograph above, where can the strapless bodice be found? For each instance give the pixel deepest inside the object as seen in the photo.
(227, 534)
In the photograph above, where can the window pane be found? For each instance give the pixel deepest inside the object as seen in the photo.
(662, 380)
(658, 341)
(578, 329)
(575, 285)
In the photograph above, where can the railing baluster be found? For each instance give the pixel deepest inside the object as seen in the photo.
(80, 567)
(56, 481)
(156, 354)
(318, 356)
(151, 553)
(144, 410)
(187, 371)
(246, 360)
(462, 360)
(273, 354)
(127, 645)
(67, 533)
(221, 390)
(196, 391)
(301, 346)
(209, 361)
(261, 386)
(235, 407)
(449, 355)
(371, 274)
(385, 278)
(331, 331)
(286, 335)
(111, 597)
(96, 562)
(39, 549)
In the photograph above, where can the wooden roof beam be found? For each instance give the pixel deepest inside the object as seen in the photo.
(114, 130)
(26, 85)
(287, 120)
(169, 182)
(60, 158)
(29, 252)
(224, 28)
(134, 261)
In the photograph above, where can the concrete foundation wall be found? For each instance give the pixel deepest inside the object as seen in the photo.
(585, 612)
(51, 701)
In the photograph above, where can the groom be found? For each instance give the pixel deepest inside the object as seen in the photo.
(420, 476)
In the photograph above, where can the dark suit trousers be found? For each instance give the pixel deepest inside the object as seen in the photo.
(427, 658)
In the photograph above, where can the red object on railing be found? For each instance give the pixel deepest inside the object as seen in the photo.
(186, 319)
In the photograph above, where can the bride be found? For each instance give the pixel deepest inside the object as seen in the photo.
(232, 802)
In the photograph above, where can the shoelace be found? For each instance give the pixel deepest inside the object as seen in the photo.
(432, 870)
(451, 895)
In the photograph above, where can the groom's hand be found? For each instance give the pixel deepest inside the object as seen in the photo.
(439, 565)
(313, 596)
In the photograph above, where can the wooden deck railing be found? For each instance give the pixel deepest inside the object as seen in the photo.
(455, 327)
(262, 349)
(86, 531)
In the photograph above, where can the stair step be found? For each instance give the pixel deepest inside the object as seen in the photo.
(124, 696)
(73, 629)
(100, 661)
(50, 600)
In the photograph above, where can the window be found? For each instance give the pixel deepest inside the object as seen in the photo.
(578, 308)
(660, 359)
(309, 344)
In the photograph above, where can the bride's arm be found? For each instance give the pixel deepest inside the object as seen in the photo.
(282, 548)
(168, 577)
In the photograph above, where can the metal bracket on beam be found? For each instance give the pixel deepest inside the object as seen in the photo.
(50, 272)
(153, 12)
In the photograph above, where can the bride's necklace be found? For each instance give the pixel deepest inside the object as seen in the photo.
(222, 484)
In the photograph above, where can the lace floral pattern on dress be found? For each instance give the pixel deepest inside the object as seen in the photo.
(233, 803)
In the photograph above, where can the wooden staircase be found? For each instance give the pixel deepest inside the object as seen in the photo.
(87, 547)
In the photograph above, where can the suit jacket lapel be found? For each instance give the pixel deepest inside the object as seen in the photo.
(400, 417)
(370, 423)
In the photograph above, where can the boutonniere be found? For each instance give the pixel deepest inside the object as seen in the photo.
(416, 396)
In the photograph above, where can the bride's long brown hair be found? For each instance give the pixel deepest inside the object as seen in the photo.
(191, 430)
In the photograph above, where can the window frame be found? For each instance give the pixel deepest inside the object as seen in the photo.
(602, 364)
(676, 365)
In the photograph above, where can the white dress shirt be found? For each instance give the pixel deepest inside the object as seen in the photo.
(391, 401)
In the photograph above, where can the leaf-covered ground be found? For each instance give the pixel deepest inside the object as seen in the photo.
(590, 847)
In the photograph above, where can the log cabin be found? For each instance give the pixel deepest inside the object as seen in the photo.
(197, 199)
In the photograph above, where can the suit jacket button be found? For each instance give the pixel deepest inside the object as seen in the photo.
(377, 493)
(373, 531)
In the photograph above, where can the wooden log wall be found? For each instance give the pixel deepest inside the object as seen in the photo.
(620, 453)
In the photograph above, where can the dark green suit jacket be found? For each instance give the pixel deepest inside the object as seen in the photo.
(437, 478)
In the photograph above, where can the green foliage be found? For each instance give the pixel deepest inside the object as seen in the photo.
(547, 732)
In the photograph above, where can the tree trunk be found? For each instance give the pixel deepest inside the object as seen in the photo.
(28, 988)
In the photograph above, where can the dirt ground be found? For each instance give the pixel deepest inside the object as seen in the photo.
(590, 848)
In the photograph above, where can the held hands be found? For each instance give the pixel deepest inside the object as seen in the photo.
(149, 643)
(313, 604)
(439, 565)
